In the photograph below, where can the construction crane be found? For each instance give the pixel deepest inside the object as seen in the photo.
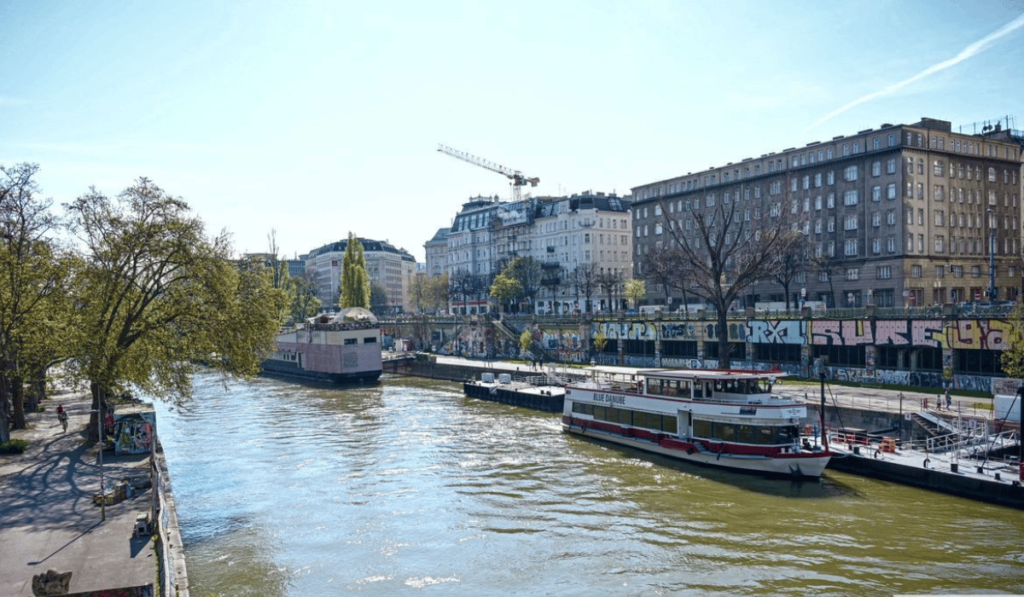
(518, 178)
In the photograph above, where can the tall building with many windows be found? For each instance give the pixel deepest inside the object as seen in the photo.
(392, 268)
(903, 215)
(565, 234)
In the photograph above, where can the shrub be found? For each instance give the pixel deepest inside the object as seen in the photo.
(15, 446)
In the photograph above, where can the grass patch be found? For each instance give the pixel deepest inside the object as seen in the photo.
(15, 446)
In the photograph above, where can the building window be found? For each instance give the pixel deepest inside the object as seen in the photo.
(831, 177)
(876, 168)
(890, 217)
(851, 247)
(883, 272)
(876, 219)
(876, 193)
(850, 173)
(850, 222)
(938, 169)
(876, 246)
(850, 197)
(852, 273)
(915, 271)
(890, 191)
(940, 244)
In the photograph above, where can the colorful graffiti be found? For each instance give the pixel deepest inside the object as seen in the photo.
(981, 334)
(777, 332)
(633, 330)
(133, 433)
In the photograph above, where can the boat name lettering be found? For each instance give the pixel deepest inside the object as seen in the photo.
(609, 398)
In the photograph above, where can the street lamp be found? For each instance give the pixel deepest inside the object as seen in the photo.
(992, 291)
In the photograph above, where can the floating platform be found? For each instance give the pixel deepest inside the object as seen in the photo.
(990, 482)
(528, 393)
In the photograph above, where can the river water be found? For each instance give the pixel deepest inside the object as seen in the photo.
(409, 488)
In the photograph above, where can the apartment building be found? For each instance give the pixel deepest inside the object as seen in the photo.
(903, 215)
(588, 230)
(391, 267)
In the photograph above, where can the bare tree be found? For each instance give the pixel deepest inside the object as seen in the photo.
(669, 269)
(828, 265)
(529, 273)
(729, 245)
(791, 263)
(609, 282)
(462, 286)
(584, 282)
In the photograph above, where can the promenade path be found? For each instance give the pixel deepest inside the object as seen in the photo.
(48, 520)
(863, 398)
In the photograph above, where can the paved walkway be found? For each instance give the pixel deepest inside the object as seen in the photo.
(48, 519)
(864, 398)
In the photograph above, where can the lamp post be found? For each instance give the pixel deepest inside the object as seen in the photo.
(992, 290)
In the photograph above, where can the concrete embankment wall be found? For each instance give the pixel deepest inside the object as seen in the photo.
(173, 575)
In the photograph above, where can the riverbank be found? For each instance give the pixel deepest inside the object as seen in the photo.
(50, 521)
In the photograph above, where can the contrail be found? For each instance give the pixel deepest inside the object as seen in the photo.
(968, 52)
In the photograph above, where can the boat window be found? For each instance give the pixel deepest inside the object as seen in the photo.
(698, 389)
(745, 434)
(684, 389)
(701, 428)
(600, 414)
(349, 341)
(370, 340)
(766, 435)
(787, 434)
(725, 431)
(582, 408)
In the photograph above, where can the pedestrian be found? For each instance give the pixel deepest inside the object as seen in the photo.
(949, 399)
(62, 417)
(938, 403)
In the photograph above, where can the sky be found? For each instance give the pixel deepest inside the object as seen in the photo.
(316, 118)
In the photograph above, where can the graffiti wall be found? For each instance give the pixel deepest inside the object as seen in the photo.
(134, 432)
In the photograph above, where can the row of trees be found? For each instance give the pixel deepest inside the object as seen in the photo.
(127, 291)
(521, 281)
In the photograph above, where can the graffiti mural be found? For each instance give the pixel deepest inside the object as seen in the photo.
(926, 332)
(892, 332)
(737, 331)
(981, 334)
(675, 331)
(133, 433)
(777, 332)
(841, 333)
(632, 330)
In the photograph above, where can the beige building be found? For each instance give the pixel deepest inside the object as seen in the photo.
(899, 216)
(386, 265)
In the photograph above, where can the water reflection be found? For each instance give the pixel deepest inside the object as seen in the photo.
(408, 486)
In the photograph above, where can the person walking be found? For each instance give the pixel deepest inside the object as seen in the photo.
(62, 416)
(949, 399)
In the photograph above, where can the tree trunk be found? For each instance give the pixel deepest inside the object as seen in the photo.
(785, 288)
(18, 403)
(5, 425)
(724, 361)
(99, 407)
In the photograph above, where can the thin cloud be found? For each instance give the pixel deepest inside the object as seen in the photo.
(968, 52)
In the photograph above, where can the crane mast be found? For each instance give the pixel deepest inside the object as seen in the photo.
(518, 178)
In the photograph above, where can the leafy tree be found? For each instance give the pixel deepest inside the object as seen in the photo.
(304, 301)
(1012, 357)
(34, 312)
(505, 289)
(355, 282)
(437, 292)
(157, 295)
(525, 340)
(600, 340)
(635, 290)
(529, 273)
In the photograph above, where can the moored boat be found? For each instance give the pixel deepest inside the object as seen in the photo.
(724, 418)
(341, 347)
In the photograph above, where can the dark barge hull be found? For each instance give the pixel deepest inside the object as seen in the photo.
(292, 370)
(552, 403)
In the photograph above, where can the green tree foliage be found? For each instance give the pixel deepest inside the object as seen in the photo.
(34, 273)
(505, 289)
(525, 340)
(157, 295)
(1012, 357)
(304, 301)
(437, 292)
(600, 341)
(355, 282)
(635, 291)
(530, 275)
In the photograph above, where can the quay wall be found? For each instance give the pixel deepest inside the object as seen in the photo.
(933, 350)
(173, 574)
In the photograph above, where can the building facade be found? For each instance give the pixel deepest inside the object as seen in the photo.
(392, 268)
(902, 216)
(565, 234)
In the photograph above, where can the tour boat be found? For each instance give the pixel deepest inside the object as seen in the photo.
(341, 347)
(725, 418)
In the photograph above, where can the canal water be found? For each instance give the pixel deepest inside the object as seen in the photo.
(409, 488)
